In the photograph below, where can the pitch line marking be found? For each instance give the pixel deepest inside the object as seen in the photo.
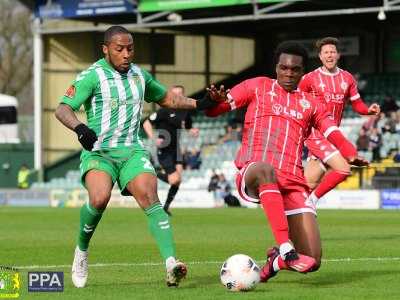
(104, 265)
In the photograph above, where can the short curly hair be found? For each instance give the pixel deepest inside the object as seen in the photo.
(293, 48)
(327, 41)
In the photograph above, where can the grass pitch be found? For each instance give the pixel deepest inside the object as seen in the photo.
(361, 252)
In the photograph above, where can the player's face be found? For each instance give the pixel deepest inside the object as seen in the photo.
(119, 52)
(329, 56)
(289, 71)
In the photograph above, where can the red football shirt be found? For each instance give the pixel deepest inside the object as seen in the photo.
(276, 123)
(334, 89)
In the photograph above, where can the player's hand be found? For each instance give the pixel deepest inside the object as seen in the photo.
(194, 132)
(218, 95)
(374, 109)
(86, 136)
(358, 161)
(159, 142)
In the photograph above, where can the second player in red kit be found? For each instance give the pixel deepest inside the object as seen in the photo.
(334, 88)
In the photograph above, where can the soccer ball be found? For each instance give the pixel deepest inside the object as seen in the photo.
(240, 273)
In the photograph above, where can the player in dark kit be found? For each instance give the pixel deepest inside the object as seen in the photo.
(169, 122)
(278, 119)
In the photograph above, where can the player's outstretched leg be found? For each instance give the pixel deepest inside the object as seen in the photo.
(144, 189)
(99, 185)
(161, 230)
(89, 218)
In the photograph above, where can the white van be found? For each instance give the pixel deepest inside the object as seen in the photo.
(8, 119)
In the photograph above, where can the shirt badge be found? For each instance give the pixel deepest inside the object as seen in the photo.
(70, 93)
(114, 103)
(305, 104)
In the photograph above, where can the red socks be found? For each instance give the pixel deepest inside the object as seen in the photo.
(272, 203)
(330, 181)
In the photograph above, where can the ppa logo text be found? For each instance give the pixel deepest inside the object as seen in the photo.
(45, 281)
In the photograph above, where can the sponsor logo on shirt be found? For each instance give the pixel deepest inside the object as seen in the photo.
(111, 83)
(278, 109)
(332, 97)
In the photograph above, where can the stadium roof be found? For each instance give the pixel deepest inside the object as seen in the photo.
(257, 10)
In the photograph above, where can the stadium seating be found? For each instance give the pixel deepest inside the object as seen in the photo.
(219, 157)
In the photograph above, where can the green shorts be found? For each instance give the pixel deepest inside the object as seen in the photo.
(122, 164)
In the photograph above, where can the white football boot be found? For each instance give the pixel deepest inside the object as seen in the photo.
(80, 268)
(176, 271)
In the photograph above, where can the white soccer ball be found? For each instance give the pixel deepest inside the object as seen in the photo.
(240, 273)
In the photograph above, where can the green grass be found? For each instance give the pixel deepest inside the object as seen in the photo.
(205, 238)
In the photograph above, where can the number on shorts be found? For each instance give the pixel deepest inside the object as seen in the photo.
(146, 163)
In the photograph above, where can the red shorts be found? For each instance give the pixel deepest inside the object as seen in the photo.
(320, 148)
(294, 192)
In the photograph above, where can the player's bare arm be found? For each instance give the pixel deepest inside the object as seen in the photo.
(174, 101)
(66, 116)
(86, 136)
(210, 99)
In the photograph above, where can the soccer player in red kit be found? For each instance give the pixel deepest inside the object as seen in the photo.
(334, 87)
(279, 118)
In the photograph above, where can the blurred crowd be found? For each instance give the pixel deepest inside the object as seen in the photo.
(222, 189)
(233, 132)
(380, 134)
(191, 159)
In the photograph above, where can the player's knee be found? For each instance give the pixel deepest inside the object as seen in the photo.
(341, 165)
(100, 199)
(146, 197)
(345, 168)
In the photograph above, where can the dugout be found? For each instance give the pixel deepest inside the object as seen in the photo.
(199, 45)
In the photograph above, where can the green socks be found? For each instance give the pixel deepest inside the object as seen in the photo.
(159, 227)
(89, 218)
(161, 230)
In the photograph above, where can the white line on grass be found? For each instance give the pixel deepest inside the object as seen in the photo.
(105, 265)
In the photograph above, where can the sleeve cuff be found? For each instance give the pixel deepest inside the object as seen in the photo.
(330, 130)
(355, 97)
(231, 102)
(70, 105)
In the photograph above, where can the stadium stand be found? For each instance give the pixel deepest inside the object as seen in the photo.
(219, 155)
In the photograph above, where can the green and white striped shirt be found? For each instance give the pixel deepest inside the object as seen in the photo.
(113, 102)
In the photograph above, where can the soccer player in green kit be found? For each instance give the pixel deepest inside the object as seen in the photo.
(112, 91)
